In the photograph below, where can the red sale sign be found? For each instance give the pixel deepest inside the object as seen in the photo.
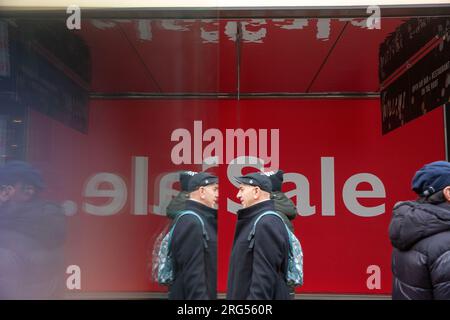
(343, 175)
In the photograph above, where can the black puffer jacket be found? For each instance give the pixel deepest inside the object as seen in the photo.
(420, 234)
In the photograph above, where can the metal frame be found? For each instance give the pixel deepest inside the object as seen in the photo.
(233, 13)
(222, 96)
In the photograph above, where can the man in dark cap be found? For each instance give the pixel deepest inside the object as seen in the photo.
(283, 205)
(195, 253)
(257, 266)
(32, 233)
(420, 234)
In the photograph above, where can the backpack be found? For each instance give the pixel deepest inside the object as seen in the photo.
(294, 274)
(164, 267)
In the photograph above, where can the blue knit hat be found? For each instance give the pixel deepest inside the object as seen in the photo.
(431, 178)
(20, 171)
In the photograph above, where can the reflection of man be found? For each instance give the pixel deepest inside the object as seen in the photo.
(4, 194)
(19, 183)
(420, 234)
(258, 271)
(32, 235)
(196, 266)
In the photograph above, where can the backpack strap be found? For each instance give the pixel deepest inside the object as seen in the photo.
(251, 236)
(189, 212)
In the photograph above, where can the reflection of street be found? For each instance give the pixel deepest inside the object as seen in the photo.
(32, 233)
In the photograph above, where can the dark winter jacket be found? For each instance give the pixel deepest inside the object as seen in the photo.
(258, 273)
(195, 267)
(285, 207)
(420, 234)
(32, 237)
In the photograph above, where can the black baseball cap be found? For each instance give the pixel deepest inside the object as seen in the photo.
(201, 179)
(257, 179)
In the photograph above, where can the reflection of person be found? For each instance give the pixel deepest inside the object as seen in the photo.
(4, 193)
(20, 183)
(195, 267)
(420, 234)
(258, 273)
(32, 234)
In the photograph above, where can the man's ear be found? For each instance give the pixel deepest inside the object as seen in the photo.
(256, 192)
(202, 192)
(446, 192)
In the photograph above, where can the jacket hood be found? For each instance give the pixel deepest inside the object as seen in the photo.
(177, 204)
(284, 205)
(413, 221)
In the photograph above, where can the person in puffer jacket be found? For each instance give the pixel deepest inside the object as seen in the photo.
(420, 234)
(32, 237)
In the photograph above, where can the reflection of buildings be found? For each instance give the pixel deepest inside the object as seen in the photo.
(12, 115)
(12, 131)
(43, 67)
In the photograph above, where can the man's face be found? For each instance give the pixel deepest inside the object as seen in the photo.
(5, 191)
(21, 192)
(209, 195)
(248, 195)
